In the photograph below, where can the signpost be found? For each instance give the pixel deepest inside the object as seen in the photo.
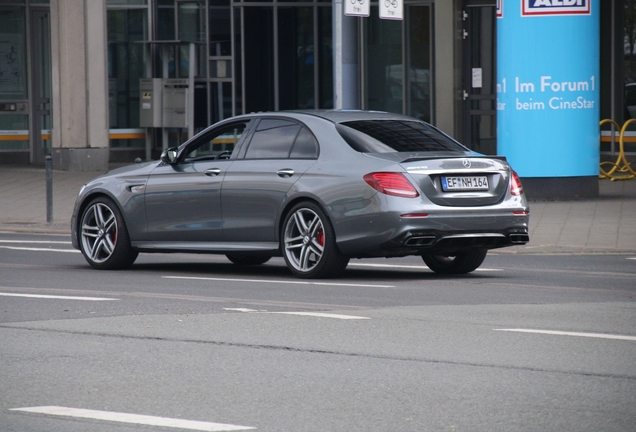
(392, 9)
(357, 7)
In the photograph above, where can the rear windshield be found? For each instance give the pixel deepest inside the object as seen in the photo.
(388, 136)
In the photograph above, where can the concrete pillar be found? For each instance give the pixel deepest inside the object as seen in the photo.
(80, 85)
(548, 99)
(345, 59)
(447, 75)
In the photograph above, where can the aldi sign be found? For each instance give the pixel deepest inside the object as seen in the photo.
(555, 7)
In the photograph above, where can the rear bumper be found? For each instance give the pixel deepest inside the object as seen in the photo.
(389, 234)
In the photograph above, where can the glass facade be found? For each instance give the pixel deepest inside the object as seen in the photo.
(127, 28)
(261, 55)
(283, 55)
(397, 65)
(14, 124)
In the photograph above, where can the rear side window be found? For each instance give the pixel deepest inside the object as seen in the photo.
(388, 136)
(281, 139)
(273, 139)
(305, 147)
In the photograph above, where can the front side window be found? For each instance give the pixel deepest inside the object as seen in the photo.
(218, 144)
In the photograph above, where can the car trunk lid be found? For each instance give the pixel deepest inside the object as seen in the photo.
(463, 181)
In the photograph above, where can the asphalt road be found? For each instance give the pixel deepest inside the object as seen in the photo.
(193, 342)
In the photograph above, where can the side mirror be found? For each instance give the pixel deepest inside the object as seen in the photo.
(169, 156)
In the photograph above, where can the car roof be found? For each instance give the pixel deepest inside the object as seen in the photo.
(339, 116)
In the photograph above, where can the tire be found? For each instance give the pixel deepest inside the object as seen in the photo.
(456, 263)
(308, 243)
(104, 239)
(248, 260)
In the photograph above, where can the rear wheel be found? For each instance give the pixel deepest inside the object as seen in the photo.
(309, 243)
(456, 263)
(247, 260)
(104, 238)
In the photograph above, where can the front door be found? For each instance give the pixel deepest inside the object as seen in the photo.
(479, 76)
(183, 201)
(41, 49)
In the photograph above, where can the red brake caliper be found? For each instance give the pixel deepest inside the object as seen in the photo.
(321, 238)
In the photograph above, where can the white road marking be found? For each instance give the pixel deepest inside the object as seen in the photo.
(35, 241)
(404, 266)
(419, 267)
(562, 333)
(323, 315)
(278, 281)
(133, 418)
(40, 249)
(632, 258)
(312, 314)
(43, 296)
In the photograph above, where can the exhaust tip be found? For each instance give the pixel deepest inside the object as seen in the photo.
(420, 241)
(519, 238)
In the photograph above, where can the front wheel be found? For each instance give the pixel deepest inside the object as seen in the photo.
(309, 243)
(104, 238)
(455, 263)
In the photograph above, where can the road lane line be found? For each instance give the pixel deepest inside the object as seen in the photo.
(133, 418)
(311, 314)
(278, 281)
(410, 267)
(43, 296)
(35, 241)
(562, 333)
(323, 315)
(39, 249)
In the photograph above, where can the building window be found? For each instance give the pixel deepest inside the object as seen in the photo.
(397, 63)
(127, 27)
(14, 126)
(283, 56)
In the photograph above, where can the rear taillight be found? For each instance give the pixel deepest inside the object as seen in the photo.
(391, 184)
(515, 185)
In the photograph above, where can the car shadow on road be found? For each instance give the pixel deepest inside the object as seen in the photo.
(276, 269)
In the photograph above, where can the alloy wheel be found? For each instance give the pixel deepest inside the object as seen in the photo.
(99, 232)
(304, 240)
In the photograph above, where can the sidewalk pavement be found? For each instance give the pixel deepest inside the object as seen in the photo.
(606, 224)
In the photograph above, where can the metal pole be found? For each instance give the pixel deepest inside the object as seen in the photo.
(48, 163)
(345, 59)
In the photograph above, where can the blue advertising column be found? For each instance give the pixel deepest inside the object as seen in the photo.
(548, 95)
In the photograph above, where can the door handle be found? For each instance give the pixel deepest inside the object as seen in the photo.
(212, 172)
(286, 172)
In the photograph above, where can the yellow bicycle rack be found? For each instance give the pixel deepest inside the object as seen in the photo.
(621, 169)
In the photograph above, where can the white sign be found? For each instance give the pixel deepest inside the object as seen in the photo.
(477, 81)
(357, 7)
(391, 9)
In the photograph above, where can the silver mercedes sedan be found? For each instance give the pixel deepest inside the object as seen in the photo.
(317, 187)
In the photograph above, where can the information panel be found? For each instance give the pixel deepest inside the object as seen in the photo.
(548, 86)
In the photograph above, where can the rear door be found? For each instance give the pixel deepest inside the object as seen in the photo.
(258, 183)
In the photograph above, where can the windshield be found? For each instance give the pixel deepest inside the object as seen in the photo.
(388, 136)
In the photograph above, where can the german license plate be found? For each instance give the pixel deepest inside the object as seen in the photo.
(464, 183)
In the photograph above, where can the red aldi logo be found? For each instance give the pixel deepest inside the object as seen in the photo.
(555, 7)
